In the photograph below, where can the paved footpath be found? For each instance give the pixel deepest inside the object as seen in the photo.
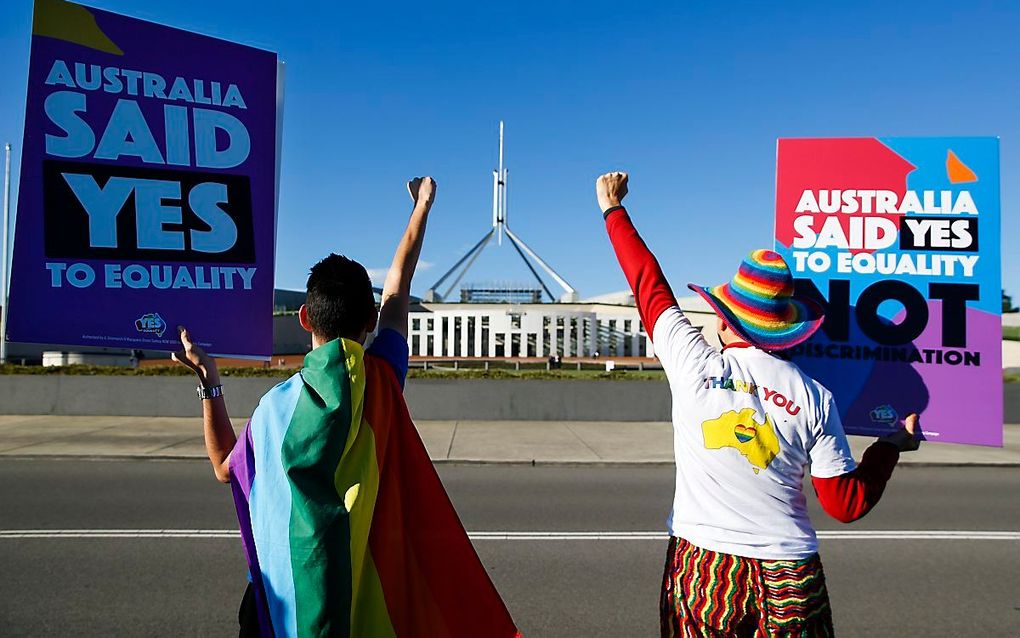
(447, 441)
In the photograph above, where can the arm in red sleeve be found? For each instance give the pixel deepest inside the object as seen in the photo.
(850, 496)
(651, 290)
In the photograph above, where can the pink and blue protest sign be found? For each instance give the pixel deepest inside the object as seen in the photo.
(899, 240)
(148, 190)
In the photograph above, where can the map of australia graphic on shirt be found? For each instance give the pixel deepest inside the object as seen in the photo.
(757, 442)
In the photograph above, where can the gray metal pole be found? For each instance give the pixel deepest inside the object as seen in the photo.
(546, 267)
(501, 186)
(3, 259)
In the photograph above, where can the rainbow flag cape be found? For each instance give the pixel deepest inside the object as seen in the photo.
(346, 526)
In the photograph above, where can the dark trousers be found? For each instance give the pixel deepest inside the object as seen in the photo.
(248, 614)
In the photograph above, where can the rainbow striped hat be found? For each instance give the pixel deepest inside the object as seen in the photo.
(760, 306)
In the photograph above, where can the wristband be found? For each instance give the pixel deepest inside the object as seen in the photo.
(209, 393)
(611, 210)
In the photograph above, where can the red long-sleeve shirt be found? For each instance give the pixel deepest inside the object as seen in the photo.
(846, 497)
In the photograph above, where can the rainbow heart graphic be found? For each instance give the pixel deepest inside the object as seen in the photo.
(744, 433)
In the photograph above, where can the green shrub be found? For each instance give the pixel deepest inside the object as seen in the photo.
(509, 373)
(413, 373)
(151, 371)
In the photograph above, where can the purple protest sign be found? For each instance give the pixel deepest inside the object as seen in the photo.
(899, 239)
(148, 187)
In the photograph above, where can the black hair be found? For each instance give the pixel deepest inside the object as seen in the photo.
(340, 299)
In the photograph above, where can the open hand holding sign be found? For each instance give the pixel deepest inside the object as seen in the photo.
(195, 358)
(219, 433)
(909, 437)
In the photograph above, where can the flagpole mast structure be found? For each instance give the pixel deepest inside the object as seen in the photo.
(3, 256)
(500, 227)
(499, 193)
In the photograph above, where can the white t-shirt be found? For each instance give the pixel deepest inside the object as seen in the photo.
(746, 424)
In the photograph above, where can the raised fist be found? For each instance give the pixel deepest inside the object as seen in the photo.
(422, 191)
(611, 188)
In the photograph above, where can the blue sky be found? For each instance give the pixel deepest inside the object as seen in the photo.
(688, 97)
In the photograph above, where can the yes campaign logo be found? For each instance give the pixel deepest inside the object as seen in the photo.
(884, 414)
(151, 323)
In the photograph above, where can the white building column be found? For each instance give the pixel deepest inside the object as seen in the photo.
(477, 351)
(440, 342)
(440, 347)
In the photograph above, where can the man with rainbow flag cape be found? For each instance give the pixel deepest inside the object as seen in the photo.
(345, 524)
(747, 423)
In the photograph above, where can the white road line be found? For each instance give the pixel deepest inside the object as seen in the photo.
(969, 535)
(118, 533)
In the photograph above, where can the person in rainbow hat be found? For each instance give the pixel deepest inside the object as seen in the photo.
(743, 556)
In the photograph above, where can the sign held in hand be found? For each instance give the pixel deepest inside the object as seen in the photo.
(148, 187)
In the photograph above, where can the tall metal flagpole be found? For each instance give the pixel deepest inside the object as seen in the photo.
(500, 226)
(3, 258)
(501, 194)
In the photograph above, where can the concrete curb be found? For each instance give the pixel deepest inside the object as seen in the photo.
(464, 462)
(607, 443)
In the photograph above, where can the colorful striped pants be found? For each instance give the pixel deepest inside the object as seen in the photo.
(709, 594)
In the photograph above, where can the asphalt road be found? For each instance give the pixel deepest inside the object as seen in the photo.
(173, 587)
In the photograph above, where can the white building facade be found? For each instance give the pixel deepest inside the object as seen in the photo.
(491, 331)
